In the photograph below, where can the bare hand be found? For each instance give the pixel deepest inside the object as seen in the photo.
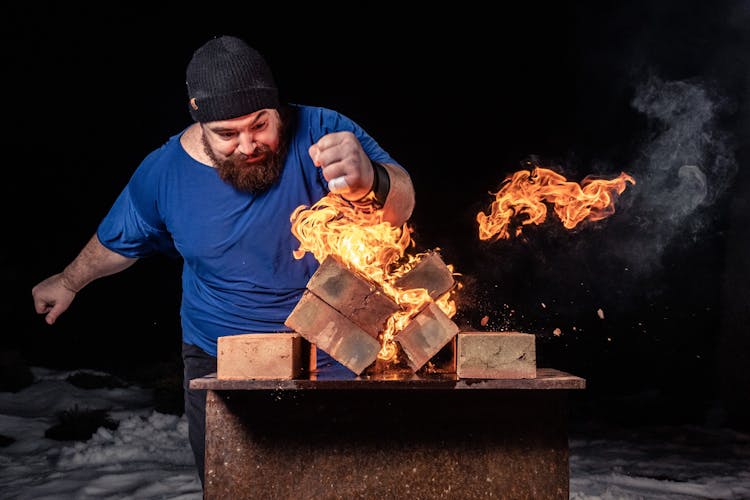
(52, 297)
(345, 164)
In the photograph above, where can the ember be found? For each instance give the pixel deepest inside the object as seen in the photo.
(521, 201)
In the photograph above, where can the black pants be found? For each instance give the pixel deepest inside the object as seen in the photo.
(197, 363)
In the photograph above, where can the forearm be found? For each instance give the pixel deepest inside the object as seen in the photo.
(399, 203)
(93, 262)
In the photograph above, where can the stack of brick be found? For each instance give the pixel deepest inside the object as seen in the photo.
(343, 312)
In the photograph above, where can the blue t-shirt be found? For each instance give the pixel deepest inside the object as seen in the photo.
(239, 275)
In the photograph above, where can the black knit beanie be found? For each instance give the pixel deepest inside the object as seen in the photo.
(227, 78)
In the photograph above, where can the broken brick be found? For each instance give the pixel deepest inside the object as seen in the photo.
(427, 333)
(429, 273)
(332, 332)
(351, 294)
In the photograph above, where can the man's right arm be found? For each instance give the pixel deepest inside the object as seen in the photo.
(54, 295)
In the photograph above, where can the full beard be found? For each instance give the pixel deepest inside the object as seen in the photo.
(252, 178)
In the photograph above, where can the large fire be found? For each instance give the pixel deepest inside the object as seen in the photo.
(524, 194)
(371, 247)
(378, 251)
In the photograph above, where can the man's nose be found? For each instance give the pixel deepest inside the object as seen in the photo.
(247, 145)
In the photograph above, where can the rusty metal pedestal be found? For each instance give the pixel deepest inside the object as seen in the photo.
(403, 437)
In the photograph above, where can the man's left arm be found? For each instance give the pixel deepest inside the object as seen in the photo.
(353, 175)
(399, 201)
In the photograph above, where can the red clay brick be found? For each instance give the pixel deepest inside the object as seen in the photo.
(332, 332)
(353, 295)
(430, 273)
(425, 335)
(496, 355)
(260, 356)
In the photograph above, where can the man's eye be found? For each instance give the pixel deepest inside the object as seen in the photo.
(259, 125)
(226, 135)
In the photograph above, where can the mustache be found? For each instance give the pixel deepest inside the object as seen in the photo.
(255, 178)
(260, 151)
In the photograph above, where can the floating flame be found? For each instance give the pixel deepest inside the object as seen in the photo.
(371, 247)
(524, 193)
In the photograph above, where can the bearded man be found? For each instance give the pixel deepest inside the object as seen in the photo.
(219, 195)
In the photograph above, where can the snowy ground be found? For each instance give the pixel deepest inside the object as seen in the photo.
(685, 462)
(147, 455)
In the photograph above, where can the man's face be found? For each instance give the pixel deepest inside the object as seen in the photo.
(246, 150)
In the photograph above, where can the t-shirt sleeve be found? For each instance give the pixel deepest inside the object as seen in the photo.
(133, 226)
(330, 121)
(333, 121)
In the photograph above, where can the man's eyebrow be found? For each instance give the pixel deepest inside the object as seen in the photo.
(255, 120)
(259, 117)
(221, 129)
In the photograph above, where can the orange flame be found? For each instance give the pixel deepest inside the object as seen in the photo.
(524, 193)
(369, 246)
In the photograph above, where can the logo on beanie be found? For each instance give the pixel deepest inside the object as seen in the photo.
(193, 103)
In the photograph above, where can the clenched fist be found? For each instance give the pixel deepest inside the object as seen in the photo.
(345, 164)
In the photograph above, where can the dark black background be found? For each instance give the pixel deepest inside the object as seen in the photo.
(460, 95)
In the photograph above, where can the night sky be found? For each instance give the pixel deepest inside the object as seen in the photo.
(461, 96)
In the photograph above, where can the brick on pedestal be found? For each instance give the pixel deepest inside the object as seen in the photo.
(425, 335)
(332, 332)
(351, 294)
(496, 355)
(430, 273)
(260, 356)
